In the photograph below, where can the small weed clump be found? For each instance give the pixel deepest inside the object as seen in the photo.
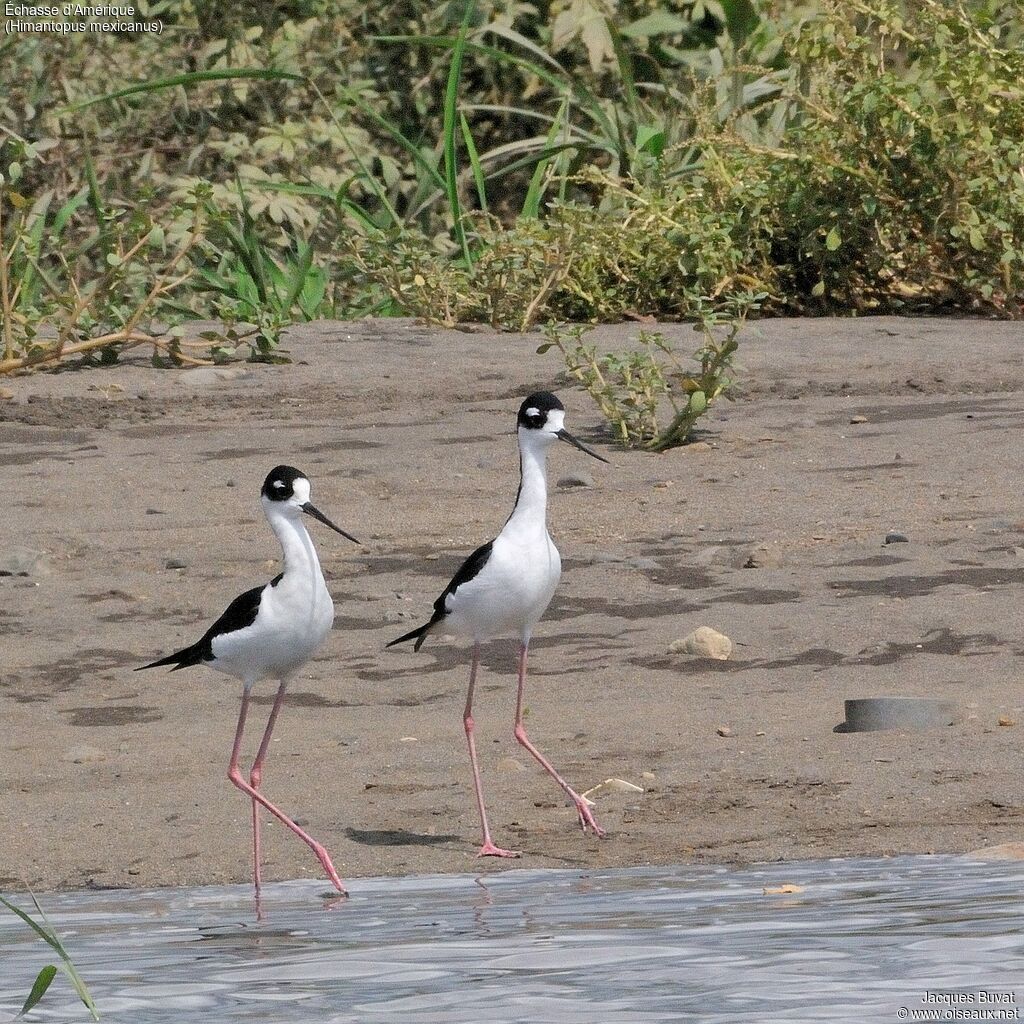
(629, 388)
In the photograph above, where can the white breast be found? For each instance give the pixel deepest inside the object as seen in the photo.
(510, 594)
(294, 619)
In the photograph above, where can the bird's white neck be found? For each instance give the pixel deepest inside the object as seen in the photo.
(300, 558)
(532, 502)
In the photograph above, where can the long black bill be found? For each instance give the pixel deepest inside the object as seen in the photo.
(564, 435)
(311, 510)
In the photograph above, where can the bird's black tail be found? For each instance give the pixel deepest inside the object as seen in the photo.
(194, 655)
(419, 634)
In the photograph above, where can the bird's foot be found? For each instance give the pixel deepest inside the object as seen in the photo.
(587, 820)
(490, 850)
(325, 862)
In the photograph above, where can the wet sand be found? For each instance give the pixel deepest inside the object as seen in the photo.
(111, 778)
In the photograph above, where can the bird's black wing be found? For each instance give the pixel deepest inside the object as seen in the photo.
(238, 615)
(470, 567)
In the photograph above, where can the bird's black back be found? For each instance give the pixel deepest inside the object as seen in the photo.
(240, 614)
(468, 570)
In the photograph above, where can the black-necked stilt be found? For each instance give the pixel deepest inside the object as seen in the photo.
(505, 586)
(269, 632)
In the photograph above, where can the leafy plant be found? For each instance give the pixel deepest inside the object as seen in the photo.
(45, 977)
(629, 388)
(89, 296)
(250, 285)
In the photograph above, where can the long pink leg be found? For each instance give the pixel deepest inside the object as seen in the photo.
(255, 778)
(235, 775)
(488, 849)
(582, 809)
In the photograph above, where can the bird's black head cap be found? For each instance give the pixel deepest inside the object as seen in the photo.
(533, 413)
(280, 483)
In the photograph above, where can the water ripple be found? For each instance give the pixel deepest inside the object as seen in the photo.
(860, 939)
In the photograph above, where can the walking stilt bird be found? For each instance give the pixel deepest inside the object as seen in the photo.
(270, 632)
(505, 586)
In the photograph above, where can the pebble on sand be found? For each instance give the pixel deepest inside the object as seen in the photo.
(704, 642)
(895, 537)
(175, 563)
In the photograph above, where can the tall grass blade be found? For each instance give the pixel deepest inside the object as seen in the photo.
(95, 199)
(531, 204)
(474, 162)
(39, 987)
(191, 78)
(410, 147)
(67, 211)
(300, 272)
(564, 83)
(451, 171)
(50, 938)
(371, 182)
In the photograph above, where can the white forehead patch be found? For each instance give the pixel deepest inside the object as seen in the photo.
(300, 490)
(555, 420)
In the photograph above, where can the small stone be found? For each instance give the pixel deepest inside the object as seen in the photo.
(762, 557)
(724, 730)
(858, 419)
(82, 753)
(704, 642)
(6, 393)
(154, 512)
(510, 764)
(23, 562)
(697, 446)
(760, 732)
(895, 537)
(175, 563)
(648, 775)
(1007, 720)
(408, 739)
(230, 483)
(581, 478)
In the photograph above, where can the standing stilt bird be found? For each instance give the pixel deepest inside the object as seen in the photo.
(270, 632)
(505, 586)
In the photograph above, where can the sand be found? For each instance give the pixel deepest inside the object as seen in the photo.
(111, 476)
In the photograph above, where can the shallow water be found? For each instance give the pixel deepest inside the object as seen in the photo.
(862, 939)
